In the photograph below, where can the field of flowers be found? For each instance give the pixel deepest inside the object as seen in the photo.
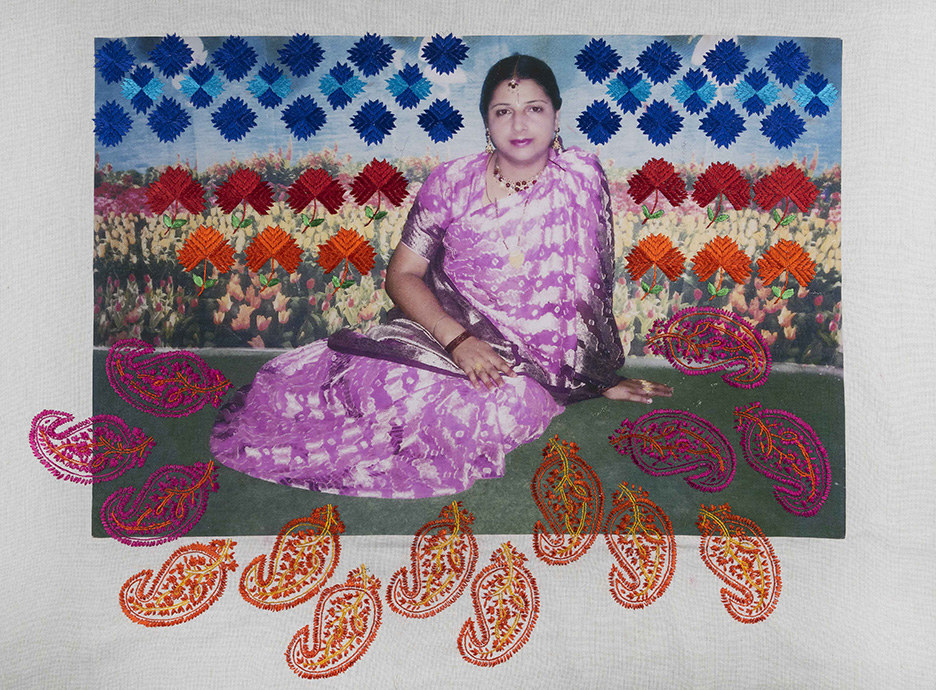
(142, 291)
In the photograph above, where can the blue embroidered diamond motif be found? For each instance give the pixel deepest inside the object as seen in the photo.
(629, 90)
(201, 85)
(783, 126)
(370, 54)
(235, 58)
(270, 86)
(597, 60)
(440, 120)
(303, 117)
(340, 86)
(787, 62)
(113, 60)
(168, 120)
(598, 122)
(756, 92)
(725, 61)
(722, 124)
(444, 53)
(141, 88)
(111, 123)
(234, 119)
(408, 86)
(373, 122)
(660, 122)
(694, 91)
(815, 95)
(659, 62)
(301, 54)
(171, 55)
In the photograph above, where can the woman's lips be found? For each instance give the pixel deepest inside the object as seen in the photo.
(520, 142)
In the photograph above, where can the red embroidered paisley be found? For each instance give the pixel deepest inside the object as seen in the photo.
(188, 583)
(640, 537)
(506, 604)
(736, 550)
(304, 556)
(442, 560)
(569, 495)
(347, 617)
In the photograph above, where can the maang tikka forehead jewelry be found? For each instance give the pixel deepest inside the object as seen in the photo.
(513, 84)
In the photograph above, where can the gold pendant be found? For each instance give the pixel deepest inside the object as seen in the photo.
(516, 259)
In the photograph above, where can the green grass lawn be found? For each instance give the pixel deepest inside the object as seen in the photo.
(244, 505)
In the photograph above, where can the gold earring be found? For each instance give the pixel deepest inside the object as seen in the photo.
(557, 142)
(488, 144)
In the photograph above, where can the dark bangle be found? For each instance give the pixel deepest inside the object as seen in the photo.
(456, 341)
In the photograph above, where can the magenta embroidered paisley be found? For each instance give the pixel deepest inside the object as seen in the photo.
(640, 538)
(188, 583)
(170, 384)
(665, 442)
(704, 340)
(442, 561)
(736, 550)
(96, 449)
(569, 495)
(170, 503)
(506, 604)
(347, 617)
(783, 447)
(304, 556)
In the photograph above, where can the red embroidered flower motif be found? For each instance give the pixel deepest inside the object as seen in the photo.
(175, 185)
(721, 254)
(657, 176)
(788, 256)
(350, 247)
(315, 186)
(276, 245)
(383, 179)
(656, 251)
(721, 180)
(245, 186)
(208, 245)
(786, 181)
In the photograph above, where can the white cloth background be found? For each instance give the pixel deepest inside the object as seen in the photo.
(857, 612)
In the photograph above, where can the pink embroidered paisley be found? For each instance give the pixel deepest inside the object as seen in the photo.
(170, 503)
(640, 537)
(304, 556)
(736, 550)
(665, 442)
(188, 583)
(506, 604)
(569, 495)
(170, 384)
(96, 449)
(783, 447)
(347, 617)
(704, 340)
(442, 561)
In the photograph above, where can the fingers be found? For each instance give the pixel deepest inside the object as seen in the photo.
(487, 373)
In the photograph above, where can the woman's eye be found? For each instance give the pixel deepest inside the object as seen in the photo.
(501, 112)
(536, 108)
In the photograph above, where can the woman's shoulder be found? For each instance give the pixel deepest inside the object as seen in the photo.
(579, 162)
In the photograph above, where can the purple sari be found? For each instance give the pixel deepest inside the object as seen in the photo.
(388, 413)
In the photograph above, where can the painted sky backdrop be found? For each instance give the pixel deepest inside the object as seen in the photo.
(631, 97)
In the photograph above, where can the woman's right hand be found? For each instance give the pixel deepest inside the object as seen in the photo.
(482, 364)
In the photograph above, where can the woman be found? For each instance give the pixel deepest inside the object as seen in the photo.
(503, 276)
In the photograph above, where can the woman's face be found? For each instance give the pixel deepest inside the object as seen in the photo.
(522, 123)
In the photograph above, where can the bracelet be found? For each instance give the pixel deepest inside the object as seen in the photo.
(456, 341)
(438, 321)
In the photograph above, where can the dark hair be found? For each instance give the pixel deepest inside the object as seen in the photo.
(519, 67)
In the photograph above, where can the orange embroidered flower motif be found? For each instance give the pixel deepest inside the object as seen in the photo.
(721, 254)
(790, 257)
(208, 245)
(383, 179)
(350, 247)
(656, 251)
(273, 244)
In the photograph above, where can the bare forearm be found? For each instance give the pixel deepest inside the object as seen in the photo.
(414, 298)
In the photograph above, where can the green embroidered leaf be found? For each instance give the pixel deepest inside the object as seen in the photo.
(315, 222)
(787, 294)
(656, 289)
(646, 211)
(656, 214)
(711, 288)
(167, 221)
(379, 215)
(335, 281)
(178, 223)
(273, 282)
(347, 283)
(722, 292)
(710, 213)
(198, 280)
(211, 282)
(721, 217)
(776, 215)
(787, 220)
(645, 286)
(245, 223)
(305, 219)
(368, 211)
(776, 290)
(263, 279)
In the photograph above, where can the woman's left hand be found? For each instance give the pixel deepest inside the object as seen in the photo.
(637, 390)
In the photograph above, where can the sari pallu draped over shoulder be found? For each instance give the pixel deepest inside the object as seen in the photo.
(550, 317)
